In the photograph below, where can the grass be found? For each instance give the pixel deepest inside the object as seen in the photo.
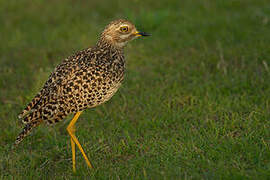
(194, 104)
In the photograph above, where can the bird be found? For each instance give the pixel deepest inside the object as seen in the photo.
(81, 81)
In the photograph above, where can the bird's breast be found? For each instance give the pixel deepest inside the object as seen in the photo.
(97, 83)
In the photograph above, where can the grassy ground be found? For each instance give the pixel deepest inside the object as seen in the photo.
(194, 104)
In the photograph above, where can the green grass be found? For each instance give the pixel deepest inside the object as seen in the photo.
(195, 102)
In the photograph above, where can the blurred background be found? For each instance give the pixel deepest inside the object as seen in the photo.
(194, 103)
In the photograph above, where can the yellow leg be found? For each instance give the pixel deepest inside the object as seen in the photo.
(73, 155)
(71, 131)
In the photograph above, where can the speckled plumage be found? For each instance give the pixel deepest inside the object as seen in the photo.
(83, 80)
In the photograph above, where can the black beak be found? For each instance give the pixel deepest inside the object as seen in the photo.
(144, 34)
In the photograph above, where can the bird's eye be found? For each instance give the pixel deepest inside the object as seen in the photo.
(124, 28)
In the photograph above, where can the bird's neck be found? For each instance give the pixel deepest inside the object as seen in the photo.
(108, 49)
(106, 43)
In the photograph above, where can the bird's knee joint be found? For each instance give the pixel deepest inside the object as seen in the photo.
(71, 129)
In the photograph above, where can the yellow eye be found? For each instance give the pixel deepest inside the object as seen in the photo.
(124, 28)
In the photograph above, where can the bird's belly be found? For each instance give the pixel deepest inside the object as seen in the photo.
(111, 92)
(102, 96)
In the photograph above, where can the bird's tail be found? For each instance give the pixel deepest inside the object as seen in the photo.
(26, 130)
(28, 108)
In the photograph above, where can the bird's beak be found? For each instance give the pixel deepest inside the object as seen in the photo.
(137, 33)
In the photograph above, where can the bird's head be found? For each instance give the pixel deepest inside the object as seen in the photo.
(119, 32)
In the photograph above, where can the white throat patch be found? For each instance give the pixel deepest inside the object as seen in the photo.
(124, 36)
(121, 44)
